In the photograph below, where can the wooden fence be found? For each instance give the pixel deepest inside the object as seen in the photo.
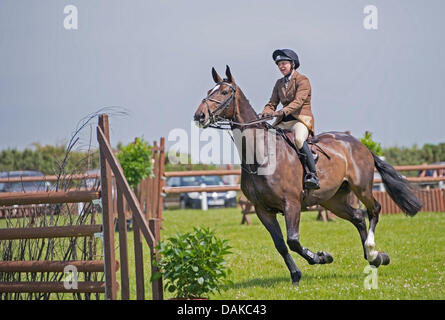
(113, 204)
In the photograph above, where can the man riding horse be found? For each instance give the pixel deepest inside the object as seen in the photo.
(294, 93)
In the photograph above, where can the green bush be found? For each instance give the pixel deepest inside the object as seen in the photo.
(192, 264)
(373, 146)
(136, 161)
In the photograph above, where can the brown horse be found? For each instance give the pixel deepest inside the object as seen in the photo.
(347, 166)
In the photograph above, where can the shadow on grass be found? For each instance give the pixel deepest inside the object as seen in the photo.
(265, 283)
(273, 281)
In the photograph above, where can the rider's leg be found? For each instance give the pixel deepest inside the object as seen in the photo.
(301, 133)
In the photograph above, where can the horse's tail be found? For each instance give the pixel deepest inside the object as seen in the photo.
(397, 187)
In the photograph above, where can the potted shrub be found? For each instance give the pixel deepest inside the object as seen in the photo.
(192, 264)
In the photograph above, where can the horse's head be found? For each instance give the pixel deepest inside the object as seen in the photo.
(219, 103)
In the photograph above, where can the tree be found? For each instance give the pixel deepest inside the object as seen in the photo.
(137, 161)
(373, 146)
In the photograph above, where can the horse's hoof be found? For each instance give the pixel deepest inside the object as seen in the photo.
(325, 257)
(377, 261)
(296, 284)
(385, 258)
(296, 276)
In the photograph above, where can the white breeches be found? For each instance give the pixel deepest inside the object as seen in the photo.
(301, 132)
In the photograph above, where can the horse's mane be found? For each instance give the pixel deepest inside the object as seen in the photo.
(247, 107)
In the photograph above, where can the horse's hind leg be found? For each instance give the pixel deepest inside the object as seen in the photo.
(364, 194)
(270, 222)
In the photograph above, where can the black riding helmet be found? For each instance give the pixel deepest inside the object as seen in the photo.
(286, 54)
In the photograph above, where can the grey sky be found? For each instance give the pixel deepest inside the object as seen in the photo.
(154, 59)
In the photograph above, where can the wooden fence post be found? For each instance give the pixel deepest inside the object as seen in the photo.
(155, 195)
(160, 180)
(156, 286)
(108, 216)
(123, 247)
(138, 261)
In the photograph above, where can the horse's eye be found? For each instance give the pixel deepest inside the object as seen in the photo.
(224, 92)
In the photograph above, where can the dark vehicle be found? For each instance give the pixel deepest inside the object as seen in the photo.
(193, 199)
(23, 186)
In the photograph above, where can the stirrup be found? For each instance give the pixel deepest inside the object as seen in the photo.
(311, 181)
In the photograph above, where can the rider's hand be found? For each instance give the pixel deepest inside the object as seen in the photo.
(266, 114)
(278, 113)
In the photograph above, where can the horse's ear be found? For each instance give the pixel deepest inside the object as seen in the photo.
(216, 76)
(229, 75)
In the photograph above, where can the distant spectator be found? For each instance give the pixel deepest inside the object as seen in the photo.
(230, 180)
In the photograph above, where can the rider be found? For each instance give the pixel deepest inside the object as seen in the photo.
(294, 93)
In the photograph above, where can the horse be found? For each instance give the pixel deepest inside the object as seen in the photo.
(345, 167)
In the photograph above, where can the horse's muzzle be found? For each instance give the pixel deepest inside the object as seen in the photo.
(200, 117)
(200, 120)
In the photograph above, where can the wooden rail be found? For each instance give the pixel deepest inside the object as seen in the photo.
(420, 167)
(418, 179)
(52, 266)
(24, 198)
(51, 287)
(222, 172)
(49, 178)
(201, 189)
(49, 232)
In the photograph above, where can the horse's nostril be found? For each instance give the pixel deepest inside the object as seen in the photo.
(199, 116)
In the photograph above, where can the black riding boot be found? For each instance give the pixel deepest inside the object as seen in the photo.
(311, 179)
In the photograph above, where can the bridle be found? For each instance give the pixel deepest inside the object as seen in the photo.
(216, 120)
(219, 122)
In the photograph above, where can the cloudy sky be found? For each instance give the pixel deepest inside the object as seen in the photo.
(153, 59)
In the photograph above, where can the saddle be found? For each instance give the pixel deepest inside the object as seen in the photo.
(313, 146)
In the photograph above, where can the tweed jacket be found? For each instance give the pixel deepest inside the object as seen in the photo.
(296, 99)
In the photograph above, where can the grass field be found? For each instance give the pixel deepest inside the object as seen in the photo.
(416, 247)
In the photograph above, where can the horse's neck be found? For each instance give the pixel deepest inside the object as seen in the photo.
(245, 114)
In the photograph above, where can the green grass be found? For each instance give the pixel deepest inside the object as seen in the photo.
(416, 247)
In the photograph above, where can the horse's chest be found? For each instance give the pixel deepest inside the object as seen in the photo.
(259, 190)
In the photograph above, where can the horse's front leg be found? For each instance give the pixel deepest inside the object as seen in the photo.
(292, 214)
(270, 222)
